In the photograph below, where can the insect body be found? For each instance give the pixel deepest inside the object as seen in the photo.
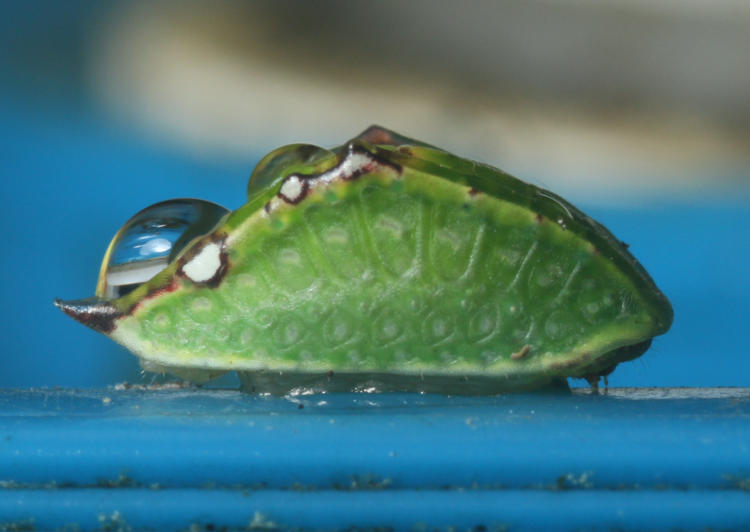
(383, 261)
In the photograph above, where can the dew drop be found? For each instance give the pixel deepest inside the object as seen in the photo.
(151, 239)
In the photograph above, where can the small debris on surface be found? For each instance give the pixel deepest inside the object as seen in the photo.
(174, 385)
(521, 353)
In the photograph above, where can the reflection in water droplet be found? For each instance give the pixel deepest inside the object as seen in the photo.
(151, 239)
(157, 246)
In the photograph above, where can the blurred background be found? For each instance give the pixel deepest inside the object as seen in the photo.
(636, 111)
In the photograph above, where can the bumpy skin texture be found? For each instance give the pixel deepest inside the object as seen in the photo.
(388, 256)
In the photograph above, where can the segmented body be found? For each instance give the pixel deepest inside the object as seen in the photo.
(394, 270)
(395, 258)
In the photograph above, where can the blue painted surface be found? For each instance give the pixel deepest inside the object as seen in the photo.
(678, 457)
(71, 176)
(230, 438)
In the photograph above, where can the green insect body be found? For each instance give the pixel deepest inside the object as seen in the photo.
(392, 262)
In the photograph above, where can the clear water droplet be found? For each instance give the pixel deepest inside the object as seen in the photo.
(304, 159)
(151, 239)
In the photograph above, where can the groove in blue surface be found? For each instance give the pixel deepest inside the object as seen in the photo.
(334, 510)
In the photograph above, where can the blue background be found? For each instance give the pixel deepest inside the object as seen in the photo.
(69, 178)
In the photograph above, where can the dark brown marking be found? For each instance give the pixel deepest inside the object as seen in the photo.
(521, 353)
(267, 207)
(539, 218)
(378, 155)
(152, 293)
(474, 192)
(221, 271)
(593, 381)
(300, 406)
(329, 373)
(377, 135)
(93, 312)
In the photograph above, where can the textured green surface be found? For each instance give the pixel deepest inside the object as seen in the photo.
(426, 264)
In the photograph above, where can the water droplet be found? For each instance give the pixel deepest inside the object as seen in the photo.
(274, 167)
(151, 239)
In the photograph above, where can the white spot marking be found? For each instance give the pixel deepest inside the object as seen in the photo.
(291, 189)
(351, 164)
(205, 264)
(293, 186)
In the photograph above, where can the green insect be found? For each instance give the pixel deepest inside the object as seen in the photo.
(383, 264)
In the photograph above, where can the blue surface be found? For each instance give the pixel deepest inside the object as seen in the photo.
(677, 457)
(71, 176)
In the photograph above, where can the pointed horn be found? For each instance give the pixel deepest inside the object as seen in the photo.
(93, 312)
